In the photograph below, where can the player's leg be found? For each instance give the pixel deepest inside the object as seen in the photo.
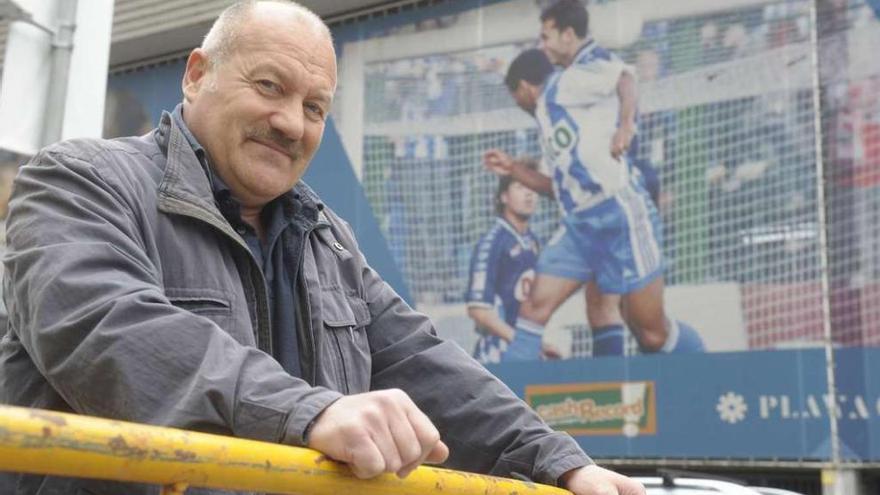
(631, 265)
(602, 309)
(606, 323)
(643, 310)
(547, 294)
(561, 270)
(644, 313)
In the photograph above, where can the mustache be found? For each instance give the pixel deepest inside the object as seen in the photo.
(267, 134)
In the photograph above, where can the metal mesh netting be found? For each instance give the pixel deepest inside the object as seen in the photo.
(727, 117)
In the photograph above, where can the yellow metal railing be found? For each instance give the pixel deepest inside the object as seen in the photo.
(46, 442)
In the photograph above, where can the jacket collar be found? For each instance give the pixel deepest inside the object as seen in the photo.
(184, 180)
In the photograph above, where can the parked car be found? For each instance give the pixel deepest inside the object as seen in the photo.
(773, 491)
(669, 485)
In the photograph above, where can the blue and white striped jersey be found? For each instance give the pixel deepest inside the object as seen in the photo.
(578, 115)
(502, 268)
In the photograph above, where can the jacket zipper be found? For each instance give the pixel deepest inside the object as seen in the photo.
(304, 317)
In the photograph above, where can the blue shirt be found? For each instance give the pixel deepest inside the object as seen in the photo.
(287, 222)
(502, 269)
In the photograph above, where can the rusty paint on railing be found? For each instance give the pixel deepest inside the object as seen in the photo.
(46, 442)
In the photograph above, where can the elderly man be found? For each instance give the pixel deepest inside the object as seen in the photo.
(188, 278)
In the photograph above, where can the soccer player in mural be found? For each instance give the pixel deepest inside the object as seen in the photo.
(610, 233)
(501, 275)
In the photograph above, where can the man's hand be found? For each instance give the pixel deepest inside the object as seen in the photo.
(593, 480)
(622, 139)
(498, 162)
(377, 432)
(550, 351)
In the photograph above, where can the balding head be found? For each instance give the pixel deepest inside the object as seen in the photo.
(257, 95)
(226, 33)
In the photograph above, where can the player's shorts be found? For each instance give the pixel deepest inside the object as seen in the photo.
(525, 346)
(616, 243)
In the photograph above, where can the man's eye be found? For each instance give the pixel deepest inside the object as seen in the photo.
(269, 86)
(315, 109)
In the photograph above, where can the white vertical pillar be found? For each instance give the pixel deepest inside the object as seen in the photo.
(351, 121)
(26, 79)
(87, 79)
(25, 111)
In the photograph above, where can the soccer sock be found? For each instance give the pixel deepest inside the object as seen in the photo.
(526, 345)
(682, 339)
(527, 325)
(609, 340)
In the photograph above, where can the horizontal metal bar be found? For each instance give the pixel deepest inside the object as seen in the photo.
(45, 442)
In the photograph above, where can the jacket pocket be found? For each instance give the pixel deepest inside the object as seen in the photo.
(346, 349)
(209, 303)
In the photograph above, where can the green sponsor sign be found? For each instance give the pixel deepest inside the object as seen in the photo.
(608, 408)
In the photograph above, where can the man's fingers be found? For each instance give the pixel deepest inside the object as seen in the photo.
(615, 147)
(594, 480)
(407, 442)
(377, 432)
(497, 161)
(366, 461)
(438, 454)
(387, 446)
(425, 447)
(425, 431)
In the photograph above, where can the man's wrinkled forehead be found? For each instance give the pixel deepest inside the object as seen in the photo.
(294, 36)
(286, 24)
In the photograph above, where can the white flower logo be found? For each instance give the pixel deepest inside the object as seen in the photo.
(732, 408)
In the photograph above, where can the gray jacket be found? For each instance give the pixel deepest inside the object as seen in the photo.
(131, 297)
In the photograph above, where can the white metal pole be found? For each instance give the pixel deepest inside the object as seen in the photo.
(62, 50)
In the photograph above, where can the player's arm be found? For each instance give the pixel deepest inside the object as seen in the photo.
(489, 319)
(481, 293)
(501, 163)
(626, 130)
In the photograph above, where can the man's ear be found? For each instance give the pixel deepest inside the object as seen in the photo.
(196, 75)
(570, 36)
(503, 198)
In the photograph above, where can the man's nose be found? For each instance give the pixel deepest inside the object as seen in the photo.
(289, 120)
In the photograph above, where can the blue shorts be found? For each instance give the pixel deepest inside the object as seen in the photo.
(616, 243)
(526, 346)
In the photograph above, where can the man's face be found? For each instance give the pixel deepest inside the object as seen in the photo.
(526, 96)
(260, 112)
(556, 44)
(520, 200)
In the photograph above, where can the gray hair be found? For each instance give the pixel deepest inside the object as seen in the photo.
(223, 36)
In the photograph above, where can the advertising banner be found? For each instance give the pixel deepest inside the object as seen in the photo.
(752, 405)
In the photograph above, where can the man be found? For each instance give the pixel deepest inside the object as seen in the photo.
(501, 274)
(610, 233)
(188, 278)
